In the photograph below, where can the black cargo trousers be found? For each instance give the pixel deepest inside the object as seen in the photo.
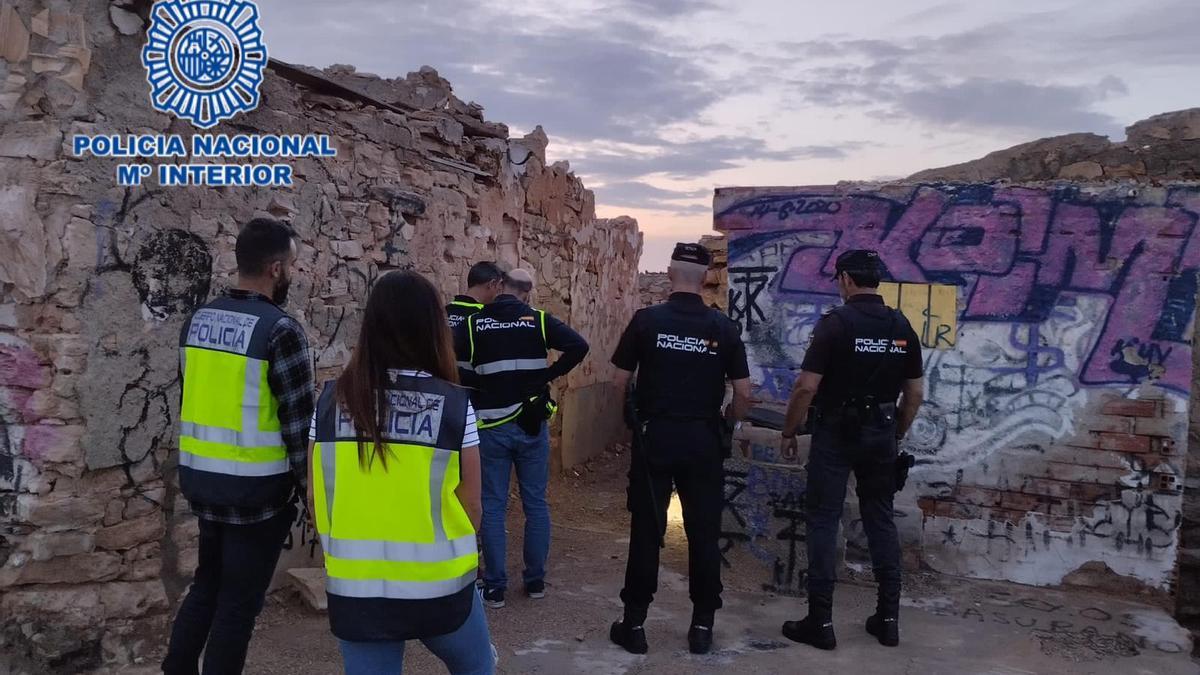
(865, 444)
(685, 455)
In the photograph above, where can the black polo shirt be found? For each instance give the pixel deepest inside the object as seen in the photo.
(863, 347)
(683, 352)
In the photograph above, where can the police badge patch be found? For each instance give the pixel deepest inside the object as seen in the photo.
(204, 59)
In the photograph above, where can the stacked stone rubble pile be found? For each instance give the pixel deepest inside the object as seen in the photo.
(95, 280)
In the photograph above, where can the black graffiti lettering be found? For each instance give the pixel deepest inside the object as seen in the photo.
(743, 305)
(784, 208)
(791, 509)
(1095, 614)
(735, 485)
(1020, 621)
(1060, 626)
(1000, 618)
(971, 612)
(1039, 605)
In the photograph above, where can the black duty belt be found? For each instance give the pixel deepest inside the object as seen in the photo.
(836, 412)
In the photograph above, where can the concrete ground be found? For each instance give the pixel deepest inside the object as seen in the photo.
(948, 625)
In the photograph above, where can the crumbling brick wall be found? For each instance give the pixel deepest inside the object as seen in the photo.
(95, 280)
(1057, 325)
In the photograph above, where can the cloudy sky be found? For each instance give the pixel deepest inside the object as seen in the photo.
(656, 102)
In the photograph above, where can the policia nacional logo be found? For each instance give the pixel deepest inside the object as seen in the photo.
(880, 346)
(685, 343)
(204, 59)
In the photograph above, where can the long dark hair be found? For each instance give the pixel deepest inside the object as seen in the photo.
(404, 327)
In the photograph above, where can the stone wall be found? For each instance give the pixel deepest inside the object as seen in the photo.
(654, 287)
(95, 280)
(1165, 147)
(1057, 326)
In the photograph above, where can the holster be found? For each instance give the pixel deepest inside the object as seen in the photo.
(850, 418)
(904, 462)
(535, 411)
(725, 437)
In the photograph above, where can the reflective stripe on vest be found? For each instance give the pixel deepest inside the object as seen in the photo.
(397, 533)
(229, 421)
(490, 417)
(506, 365)
(400, 590)
(489, 392)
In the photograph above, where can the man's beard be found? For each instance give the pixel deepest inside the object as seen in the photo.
(280, 294)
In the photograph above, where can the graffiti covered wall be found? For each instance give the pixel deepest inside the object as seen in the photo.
(1057, 325)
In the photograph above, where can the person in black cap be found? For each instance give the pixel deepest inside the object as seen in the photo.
(683, 353)
(863, 356)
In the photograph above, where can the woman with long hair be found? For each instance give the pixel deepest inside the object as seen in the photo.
(394, 490)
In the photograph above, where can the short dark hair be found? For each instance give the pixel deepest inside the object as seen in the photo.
(261, 242)
(483, 272)
(864, 278)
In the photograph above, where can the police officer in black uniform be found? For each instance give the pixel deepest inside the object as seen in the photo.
(683, 352)
(863, 356)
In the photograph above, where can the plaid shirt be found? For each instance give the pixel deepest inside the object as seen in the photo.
(290, 376)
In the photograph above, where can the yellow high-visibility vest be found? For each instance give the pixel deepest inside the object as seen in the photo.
(231, 450)
(398, 533)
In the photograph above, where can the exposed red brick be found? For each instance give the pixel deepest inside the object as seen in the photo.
(1092, 457)
(1131, 407)
(947, 509)
(1059, 523)
(1018, 501)
(1159, 426)
(1010, 516)
(967, 494)
(1047, 487)
(1091, 493)
(1117, 424)
(1075, 473)
(1125, 442)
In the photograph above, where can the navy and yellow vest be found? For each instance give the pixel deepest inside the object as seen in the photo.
(460, 308)
(508, 359)
(400, 551)
(231, 451)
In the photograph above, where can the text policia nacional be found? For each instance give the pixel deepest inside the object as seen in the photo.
(205, 147)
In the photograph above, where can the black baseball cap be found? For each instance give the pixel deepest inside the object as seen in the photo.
(858, 260)
(692, 253)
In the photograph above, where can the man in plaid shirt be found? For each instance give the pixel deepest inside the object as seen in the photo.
(243, 450)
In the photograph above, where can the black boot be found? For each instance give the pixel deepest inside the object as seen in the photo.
(816, 629)
(629, 632)
(885, 623)
(700, 634)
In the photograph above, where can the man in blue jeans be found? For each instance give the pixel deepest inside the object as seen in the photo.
(505, 347)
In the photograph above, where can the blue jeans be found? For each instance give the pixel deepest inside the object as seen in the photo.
(499, 449)
(466, 651)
